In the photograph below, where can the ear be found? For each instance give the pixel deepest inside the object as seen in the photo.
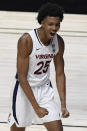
(42, 23)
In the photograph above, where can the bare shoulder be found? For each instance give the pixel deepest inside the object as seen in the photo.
(25, 45)
(61, 44)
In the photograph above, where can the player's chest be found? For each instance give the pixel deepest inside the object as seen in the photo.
(44, 53)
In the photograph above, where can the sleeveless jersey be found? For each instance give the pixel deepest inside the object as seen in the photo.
(40, 58)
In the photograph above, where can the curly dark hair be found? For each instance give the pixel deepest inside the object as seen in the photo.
(50, 9)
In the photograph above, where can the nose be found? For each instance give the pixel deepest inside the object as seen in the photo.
(55, 28)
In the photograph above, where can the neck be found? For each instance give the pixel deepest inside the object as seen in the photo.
(43, 37)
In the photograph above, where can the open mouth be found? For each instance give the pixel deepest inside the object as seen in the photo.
(52, 34)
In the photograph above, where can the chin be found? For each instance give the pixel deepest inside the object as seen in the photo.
(51, 37)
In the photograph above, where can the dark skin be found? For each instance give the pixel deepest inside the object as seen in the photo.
(49, 26)
(22, 68)
(60, 77)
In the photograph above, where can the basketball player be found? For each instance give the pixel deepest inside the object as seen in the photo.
(33, 91)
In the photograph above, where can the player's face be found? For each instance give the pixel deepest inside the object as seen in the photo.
(50, 26)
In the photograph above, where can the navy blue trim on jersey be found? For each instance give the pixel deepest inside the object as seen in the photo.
(37, 36)
(14, 101)
(51, 85)
(16, 76)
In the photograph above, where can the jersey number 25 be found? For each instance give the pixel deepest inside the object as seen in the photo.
(43, 67)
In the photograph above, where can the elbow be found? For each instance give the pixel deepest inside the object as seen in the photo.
(60, 74)
(60, 77)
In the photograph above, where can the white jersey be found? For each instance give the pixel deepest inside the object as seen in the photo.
(21, 110)
(40, 58)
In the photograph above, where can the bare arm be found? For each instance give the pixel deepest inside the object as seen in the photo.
(60, 75)
(24, 50)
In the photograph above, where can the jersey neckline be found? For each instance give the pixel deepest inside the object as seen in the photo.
(39, 39)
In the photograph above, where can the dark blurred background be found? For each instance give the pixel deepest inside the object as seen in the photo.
(69, 6)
